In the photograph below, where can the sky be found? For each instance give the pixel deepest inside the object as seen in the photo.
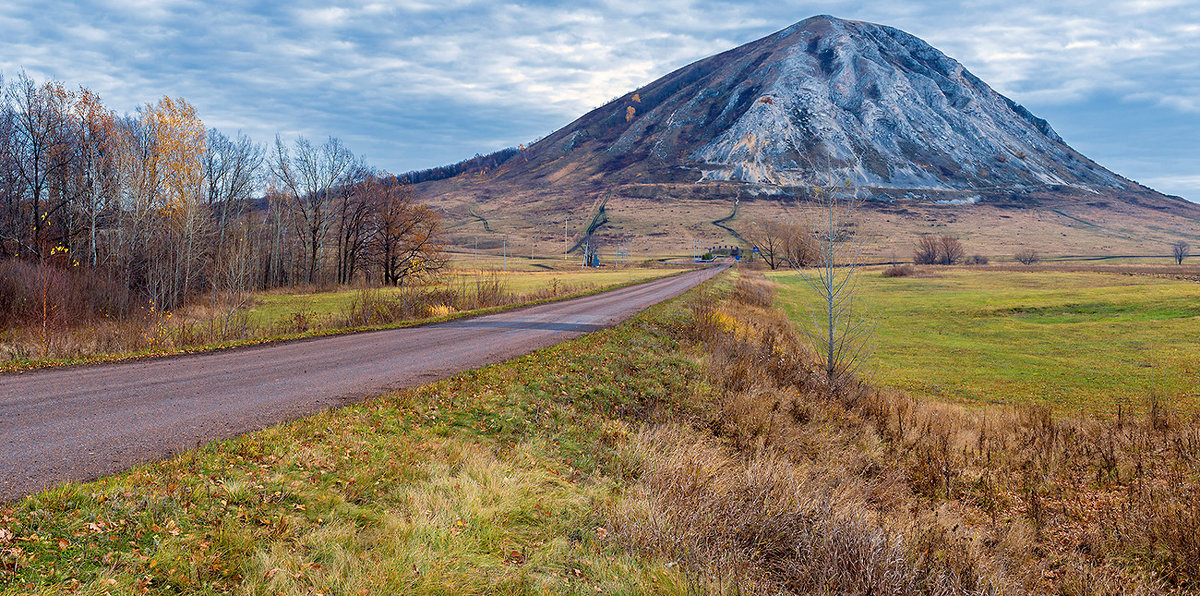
(412, 84)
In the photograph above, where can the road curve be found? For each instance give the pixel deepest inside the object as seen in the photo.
(81, 423)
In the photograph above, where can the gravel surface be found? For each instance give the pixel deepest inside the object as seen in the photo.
(84, 422)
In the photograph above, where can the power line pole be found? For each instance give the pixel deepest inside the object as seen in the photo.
(506, 253)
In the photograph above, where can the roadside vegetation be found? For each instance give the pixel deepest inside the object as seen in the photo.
(694, 448)
(76, 333)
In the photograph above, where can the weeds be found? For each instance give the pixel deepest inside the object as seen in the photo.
(1021, 499)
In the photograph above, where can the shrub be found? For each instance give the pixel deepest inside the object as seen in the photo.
(938, 250)
(1027, 256)
(926, 252)
(977, 260)
(904, 270)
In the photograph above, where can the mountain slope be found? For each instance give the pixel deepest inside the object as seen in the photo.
(825, 96)
(825, 99)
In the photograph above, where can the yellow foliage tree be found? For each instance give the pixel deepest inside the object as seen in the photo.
(179, 139)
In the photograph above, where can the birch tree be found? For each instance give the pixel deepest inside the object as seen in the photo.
(839, 329)
(310, 179)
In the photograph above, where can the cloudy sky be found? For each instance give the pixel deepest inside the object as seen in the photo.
(418, 83)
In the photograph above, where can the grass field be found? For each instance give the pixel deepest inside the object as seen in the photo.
(269, 308)
(1073, 340)
(686, 451)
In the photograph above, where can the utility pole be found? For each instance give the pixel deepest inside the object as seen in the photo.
(475, 255)
(566, 248)
(506, 253)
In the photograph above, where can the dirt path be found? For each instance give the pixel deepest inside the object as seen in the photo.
(81, 423)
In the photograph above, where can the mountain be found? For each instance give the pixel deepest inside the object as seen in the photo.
(825, 99)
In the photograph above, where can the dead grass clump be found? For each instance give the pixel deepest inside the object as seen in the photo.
(754, 292)
(904, 270)
(764, 523)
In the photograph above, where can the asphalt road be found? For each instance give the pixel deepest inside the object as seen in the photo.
(81, 423)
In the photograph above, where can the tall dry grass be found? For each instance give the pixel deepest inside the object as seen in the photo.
(52, 313)
(782, 489)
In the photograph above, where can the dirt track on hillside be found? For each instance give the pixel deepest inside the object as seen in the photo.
(80, 423)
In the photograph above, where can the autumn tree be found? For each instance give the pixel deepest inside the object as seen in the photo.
(179, 139)
(95, 166)
(407, 241)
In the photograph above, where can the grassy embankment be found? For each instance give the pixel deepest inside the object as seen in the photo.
(691, 449)
(1074, 340)
(272, 316)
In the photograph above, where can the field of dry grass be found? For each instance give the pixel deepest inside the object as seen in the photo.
(666, 218)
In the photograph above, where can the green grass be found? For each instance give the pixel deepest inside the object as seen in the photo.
(1075, 341)
(268, 308)
(489, 482)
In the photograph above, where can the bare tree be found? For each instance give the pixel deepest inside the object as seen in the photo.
(1027, 256)
(232, 171)
(353, 206)
(950, 250)
(1180, 251)
(839, 331)
(771, 238)
(38, 149)
(938, 250)
(311, 179)
(927, 250)
(799, 247)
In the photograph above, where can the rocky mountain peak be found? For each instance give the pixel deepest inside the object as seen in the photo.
(823, 98)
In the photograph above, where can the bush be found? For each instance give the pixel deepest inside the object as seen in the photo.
(977, 260)
(1027, 256)
(31, 292)
(938, 250)
(904, 270)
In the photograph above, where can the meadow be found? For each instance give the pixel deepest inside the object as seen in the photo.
(1074, 340)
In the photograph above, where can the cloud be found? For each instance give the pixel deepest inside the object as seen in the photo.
(416, 83)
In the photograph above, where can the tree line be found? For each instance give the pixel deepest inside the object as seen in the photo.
(169, 209)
